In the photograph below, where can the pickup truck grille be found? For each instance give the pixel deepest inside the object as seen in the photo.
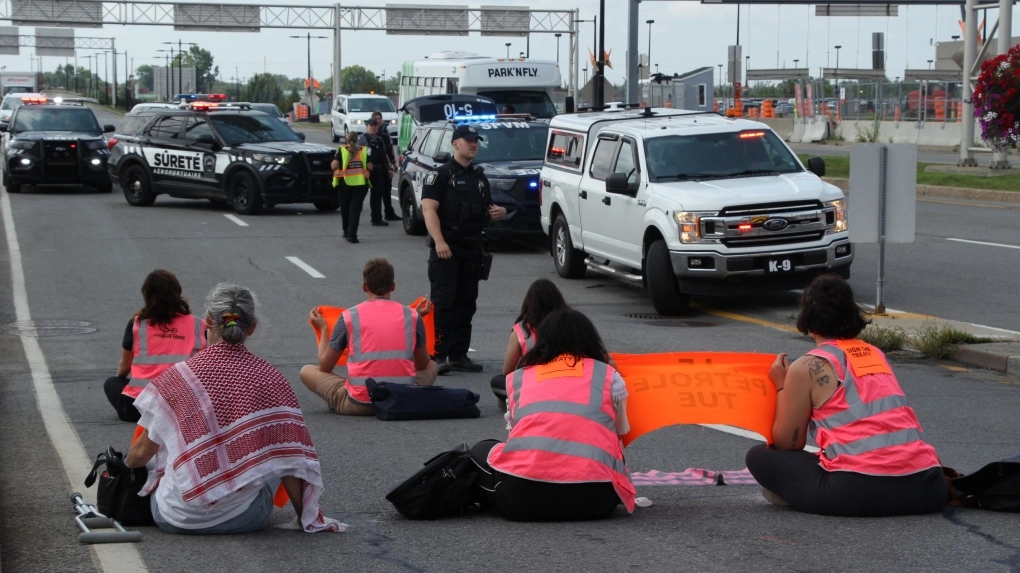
(769, 224)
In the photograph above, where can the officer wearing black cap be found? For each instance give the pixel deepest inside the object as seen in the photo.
(457, 204)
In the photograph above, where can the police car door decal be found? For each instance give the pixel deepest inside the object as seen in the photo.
(183, 164)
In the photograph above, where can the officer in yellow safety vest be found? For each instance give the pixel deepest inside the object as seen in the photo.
(350, 173)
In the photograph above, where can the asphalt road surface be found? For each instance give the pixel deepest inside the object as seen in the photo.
(83, 256)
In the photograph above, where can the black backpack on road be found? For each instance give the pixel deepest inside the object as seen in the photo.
(446, 486)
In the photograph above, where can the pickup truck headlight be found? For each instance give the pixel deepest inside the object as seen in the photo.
(268, 158)
(689, 225)
(842, 218)
(19, 144)
(502, 184)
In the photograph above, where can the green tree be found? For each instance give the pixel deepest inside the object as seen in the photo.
(357, 79)
(393, 84)
(263, 88)
(202, 61)
(145, 77)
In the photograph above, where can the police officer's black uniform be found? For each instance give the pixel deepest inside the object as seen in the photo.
(381, 149)
(464, 197)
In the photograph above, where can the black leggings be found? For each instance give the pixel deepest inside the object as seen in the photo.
(352, 199)
(519, 499)
(798, 478)
(123, 404)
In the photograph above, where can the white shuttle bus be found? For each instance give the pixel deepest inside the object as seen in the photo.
(526, 85)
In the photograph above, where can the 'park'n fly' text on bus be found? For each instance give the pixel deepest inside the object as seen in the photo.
(526, 85)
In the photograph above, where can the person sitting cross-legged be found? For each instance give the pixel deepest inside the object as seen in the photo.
(385, 340)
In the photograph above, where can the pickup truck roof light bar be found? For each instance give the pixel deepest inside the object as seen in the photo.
(649, 114)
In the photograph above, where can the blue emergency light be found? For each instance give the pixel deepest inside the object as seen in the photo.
(533, 184)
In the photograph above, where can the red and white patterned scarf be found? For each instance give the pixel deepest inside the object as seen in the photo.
(226, 419)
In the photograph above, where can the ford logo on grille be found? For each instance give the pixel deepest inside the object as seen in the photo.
(775, 224)
(316, 163)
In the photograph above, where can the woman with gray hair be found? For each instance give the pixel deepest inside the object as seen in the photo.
(226, 430)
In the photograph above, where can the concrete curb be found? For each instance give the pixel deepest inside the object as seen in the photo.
(999, 356)
(945, 192)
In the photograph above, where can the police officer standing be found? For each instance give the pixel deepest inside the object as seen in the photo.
(382, 171)
(457, 205)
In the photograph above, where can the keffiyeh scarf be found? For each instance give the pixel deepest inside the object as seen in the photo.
(226, 419)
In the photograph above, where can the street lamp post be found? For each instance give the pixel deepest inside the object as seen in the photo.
(167, 71)
(837, 75)
(595, 41)
(558, 47)
(180, 62)
(508, 50)
(309, 37)
(649, 22)
(929, 63)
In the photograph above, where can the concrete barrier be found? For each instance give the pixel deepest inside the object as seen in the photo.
(798, 131)
(817, 129)
(783, 126)
(930, 133)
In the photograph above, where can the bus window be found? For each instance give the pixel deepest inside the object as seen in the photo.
(451, 86)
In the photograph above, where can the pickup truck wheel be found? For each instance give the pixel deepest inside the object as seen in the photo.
(568, 260)
(662, 284)
(408, 214)
(137, 190)
(245, 196)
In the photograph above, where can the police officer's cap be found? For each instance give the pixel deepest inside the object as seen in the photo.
(466, 132)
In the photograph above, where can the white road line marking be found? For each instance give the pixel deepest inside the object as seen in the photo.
(306, 267)
(114, 557)
(983, 243)
(239, 222)
(746, 434)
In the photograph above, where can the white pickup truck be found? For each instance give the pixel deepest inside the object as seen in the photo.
(688, 203)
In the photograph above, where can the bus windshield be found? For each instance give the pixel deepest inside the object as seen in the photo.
(746, 153)
(536, 103)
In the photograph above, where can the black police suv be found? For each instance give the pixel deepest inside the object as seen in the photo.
(219, 152)
(511, 151)
(55, 141)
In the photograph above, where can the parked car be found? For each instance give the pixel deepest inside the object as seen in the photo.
(13, 100)
(55, 141)
(350, 112)
(220, 152)
(272, 110)
(510, 152)
(688, 203)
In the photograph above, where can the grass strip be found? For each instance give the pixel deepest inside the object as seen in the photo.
(839, 166)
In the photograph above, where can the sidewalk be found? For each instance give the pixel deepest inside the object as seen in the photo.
(1001, 356)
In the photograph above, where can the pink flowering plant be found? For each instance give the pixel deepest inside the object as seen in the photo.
(996, 101)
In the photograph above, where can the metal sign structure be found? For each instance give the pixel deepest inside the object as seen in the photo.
(430, 20)
(11, 42)
(54, 42)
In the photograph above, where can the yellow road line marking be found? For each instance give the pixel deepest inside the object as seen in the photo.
(742, 318)
(969, 204)
(955, 368)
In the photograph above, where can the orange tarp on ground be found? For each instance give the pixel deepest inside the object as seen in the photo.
(332, 314)
(731, 388)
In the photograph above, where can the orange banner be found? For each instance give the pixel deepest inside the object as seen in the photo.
(731, 388)
(332, 314)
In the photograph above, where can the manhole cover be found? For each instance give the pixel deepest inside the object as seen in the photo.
(49, 328)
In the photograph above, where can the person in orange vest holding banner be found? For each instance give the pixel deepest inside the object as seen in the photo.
(350, 173)
(563, 459)
(159, 335)
(873, 460)
(541, 299)
(385, 340)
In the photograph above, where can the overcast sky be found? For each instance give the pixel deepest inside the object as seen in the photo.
(686, 35)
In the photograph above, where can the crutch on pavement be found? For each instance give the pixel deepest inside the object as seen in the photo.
(89, 517)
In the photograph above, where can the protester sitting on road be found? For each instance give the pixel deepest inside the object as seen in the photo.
(542, 298)
(385, 341)
(873, 459)
(567, 408)
(162, 333)
(226, 429)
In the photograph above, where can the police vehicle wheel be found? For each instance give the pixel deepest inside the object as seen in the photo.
(662, 284)
(333, 135)
(568, 260)
(245, 196)
(408, 216)
(106, 187)
(331, 205)
(135, 183)
(11, 187)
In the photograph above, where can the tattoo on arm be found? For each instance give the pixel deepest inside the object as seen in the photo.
(796, 434)
(816, 367)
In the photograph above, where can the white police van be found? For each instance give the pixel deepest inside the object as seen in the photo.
(688, 203)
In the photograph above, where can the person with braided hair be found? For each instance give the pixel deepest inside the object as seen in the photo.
(225, 430)
(160, 334)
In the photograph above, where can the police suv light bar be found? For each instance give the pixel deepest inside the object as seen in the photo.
(184, 98)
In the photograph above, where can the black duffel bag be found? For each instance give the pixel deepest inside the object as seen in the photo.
(394, 401)
(119, 485)
(446, 486)
(996, 486)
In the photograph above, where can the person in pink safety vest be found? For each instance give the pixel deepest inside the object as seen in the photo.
(158, 336)
(872, 459)
(385, 341)
(563, 459)
(541, 299)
